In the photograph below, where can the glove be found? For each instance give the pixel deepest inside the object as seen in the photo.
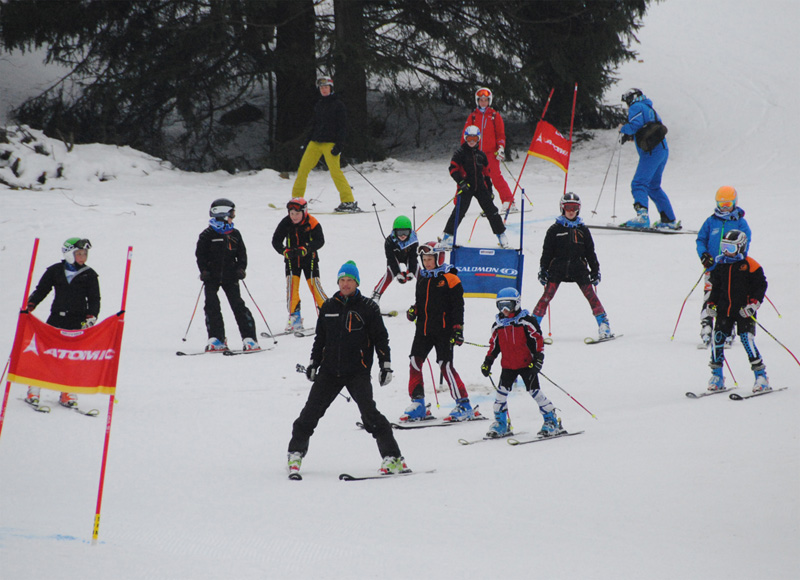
(386, 374)
(486, 367)
(205, 275)
(750, 309)
(538, 361)
(31, 306)
(624, 138)
(301, 251)
(401, 277)
(458, 335)
(287, 253)
(90, 321)
(711, 310)
(707, 260)
(595, 278)
(240, 273)
(411, 314)
(543, 277)
(311, 370)
(500, 153)
(409, 276)
(337, 148)
(463, 186)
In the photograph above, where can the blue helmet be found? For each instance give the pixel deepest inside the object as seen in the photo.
(508, 299)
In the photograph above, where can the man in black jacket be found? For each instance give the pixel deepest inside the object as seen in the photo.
(328, 133)
(222, 261)
(349, 329)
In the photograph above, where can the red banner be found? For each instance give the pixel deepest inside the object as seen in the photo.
(550, 145)
(77, 361)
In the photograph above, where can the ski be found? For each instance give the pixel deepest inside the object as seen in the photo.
(242, 351)
(738, 397)
(37, 407)
(692, 395)
(295, 477)
(538, 438)
(474, 441)
(89, 413)
(302, 332)
(548, 340)
(268, 335)
(181, 353)
(621, 228)
(390, 314)
(425, 423)
(348, 477)
(590, 340)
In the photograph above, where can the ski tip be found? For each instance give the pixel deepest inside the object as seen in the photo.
(295, 477)
(346, 477)
(691, 395)
(512, 441)
(463, 442)
(735, 397)
(179, 353)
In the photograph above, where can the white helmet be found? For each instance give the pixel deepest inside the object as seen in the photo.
(483, 92)
(72, 245)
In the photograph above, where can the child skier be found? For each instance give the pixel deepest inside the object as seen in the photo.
(726, 217)
(738, 286)
(401, 249)
(76, 303)
(516, 334)
(469, 169)
(439, 315)
(298, 237)
(568, 256)
(222, 261)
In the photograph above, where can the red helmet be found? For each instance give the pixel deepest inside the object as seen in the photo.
(298, 204)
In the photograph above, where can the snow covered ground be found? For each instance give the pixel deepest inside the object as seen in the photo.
(658, 487)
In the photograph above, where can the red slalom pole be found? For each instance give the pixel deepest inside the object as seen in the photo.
(571, 123)
(433, 382)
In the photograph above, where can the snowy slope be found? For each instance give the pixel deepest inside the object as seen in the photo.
(659, 487)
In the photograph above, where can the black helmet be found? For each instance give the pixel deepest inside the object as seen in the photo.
(631, 96)
(733, 242)
(222, 208)
(570, 199)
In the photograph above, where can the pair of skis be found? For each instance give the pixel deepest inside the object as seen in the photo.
(46, 409)
(511, 438)
(347, 477)
(733, 396)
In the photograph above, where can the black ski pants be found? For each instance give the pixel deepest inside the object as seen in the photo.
(323, 392)
(214, 323)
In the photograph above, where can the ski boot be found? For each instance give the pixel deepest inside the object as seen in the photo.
(705, 332)
(500, 427)
(502, 240)
(510, 207)
(295, 322)
(215, 344)
(717, 381)
(603, 327)
(347, 207)
(762, 382)
(68, 400)
(666, 225)
(551, 426)
(462, 412)
(446, 243)
(729, 341)
(32, 398)
(642, 219)
(250, 344)
(376, 297)
(416, 411)
(295, 458)
(393, 465)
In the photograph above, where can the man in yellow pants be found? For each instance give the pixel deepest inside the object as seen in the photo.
(327, 138)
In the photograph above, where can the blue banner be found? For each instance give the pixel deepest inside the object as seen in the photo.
(484, 271)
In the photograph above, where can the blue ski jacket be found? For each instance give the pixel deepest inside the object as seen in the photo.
(640, 113)
(709, 238)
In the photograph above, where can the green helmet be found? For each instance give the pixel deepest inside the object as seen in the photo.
(401, 222)
(72, 244)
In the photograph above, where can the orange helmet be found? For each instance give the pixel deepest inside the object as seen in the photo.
(726, 198)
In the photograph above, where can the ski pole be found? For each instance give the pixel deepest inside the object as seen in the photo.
(433, 381)
(516, 183)
(414, 216)
(736, 384)
(274, 340)
(775, 339)
(476, 344)
(771, 304)
(570, 396)
(194, 311)
(350, 161)
(437, 211)
(613, 153)
(684, 303)
(616, 183)
(374, 207)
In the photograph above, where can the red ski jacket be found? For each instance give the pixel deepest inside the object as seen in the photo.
(493, 129)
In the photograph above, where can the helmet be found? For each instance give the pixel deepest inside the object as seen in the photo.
(472, 134)
(222, 208)
(733, 242)
(570, 200)
(325, 82)
(431, 248)
(402, 226)
(726, 198)
(70, 246)
(483, 92)
(508, 299)
(632, 96)
(298, 204)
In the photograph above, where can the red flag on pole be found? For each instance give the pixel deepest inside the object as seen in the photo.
(550, 145)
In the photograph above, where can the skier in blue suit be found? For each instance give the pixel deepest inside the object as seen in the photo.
(647, 179)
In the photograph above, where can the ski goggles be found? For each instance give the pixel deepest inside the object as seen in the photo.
(325, 82)
(729, 248)
(472, 138)
(423, 250)
(510, 305)
(483, 93)
(296, 207)
(82, 245)
(572, 207)
(402, 232)
(726, 205)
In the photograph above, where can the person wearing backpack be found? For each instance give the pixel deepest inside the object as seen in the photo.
(645, 128)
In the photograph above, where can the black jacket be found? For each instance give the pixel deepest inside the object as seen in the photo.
(395, 255)
(471, 165)
(439, 303)
(330, 121)
(73, 301)
(568, 254)
(348, 331)
(221, 254)
(308, 234)
(734, 285)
